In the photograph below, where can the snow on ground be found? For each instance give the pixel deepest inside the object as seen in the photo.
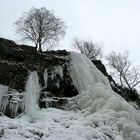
(56, 124)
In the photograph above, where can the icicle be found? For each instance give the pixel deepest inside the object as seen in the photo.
(56, 71)
(14, 105)
(59, 71)
(46, 77)
(4, 103)
(21, 106)
(3, 91)
(57, 85)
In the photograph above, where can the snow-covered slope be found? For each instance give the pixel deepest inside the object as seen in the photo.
(56, 125)
(95, 96)
(98, 112)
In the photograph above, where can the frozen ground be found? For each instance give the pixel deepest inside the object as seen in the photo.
(55, 124)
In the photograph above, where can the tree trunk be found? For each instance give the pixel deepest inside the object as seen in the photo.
(127, 83)
(40, 49)
(36, 46)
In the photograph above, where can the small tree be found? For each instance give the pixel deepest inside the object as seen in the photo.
(128, 76)
(40, 26)
(91, 50)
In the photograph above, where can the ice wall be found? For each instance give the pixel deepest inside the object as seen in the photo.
(32, 94)
(106, 107)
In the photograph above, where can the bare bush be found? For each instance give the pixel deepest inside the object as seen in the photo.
(91, 50)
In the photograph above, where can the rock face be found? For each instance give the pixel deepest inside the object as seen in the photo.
(101, 67)
(17, 61)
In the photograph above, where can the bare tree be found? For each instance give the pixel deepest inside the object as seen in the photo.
(127, 74)
(40, 26)
(91, 50)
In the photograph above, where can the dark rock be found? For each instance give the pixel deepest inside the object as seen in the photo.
(1, 132)
(60, 86)
(17, 61)
(13, 74)
(100, 66)
(41, 79)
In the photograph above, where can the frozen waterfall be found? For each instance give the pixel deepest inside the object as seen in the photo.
(32, 94)
(106, 107)
(84, 73)
(96, 112)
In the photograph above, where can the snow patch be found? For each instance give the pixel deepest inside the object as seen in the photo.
(55, 124)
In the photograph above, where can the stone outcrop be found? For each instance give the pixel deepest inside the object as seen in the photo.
(102, 68)
(16, 63)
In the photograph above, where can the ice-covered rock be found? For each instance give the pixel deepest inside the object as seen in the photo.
(96, 97)
(11, 103)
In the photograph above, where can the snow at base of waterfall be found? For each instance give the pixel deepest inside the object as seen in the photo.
(56, 124)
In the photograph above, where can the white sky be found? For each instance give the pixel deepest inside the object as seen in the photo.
(113, 23)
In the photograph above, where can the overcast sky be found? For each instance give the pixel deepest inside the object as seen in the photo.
(113, 23)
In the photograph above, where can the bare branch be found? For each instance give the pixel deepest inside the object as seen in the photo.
(91, 50)
(128, 76)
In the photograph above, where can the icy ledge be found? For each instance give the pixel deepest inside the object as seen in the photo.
(105, 107)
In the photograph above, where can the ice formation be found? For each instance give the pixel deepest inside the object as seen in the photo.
(57, 70)
(32, 94)
(3, 91)
(4, 98)
(97, 98)
(11, 101)
(99, 113)
(45, 77)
